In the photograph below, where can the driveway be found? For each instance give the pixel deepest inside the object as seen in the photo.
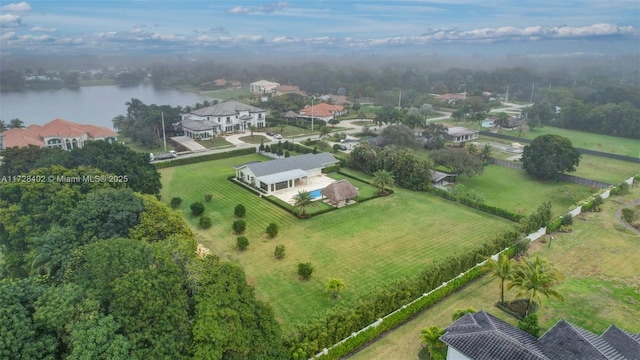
(189, 143)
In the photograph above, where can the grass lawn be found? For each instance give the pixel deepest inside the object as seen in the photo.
(607, 170)
(601, 287)
(255, 139)
(214, 142)
(231, 94)
(585, 140)
(365, 244)
(515, 191)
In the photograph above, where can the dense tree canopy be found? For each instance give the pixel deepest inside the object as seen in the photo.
(458, 161)
(548, 156)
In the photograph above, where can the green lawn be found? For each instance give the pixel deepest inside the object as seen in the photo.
(606, 170)
(585, 140)
(231, 94)
(515, 191)
(601, 287)
(365, 244)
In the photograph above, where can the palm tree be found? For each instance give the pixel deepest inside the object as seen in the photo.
(334, 286)
(535, 277)
(16, 124)
(303, 200)
(324, 131)
(3, 126)
(382, 179)
(122, 123)
(252, 128)
(500, 269)
(486, 152)
(133, 108)
(502, 120)
(431, 337)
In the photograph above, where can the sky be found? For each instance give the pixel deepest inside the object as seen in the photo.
(324, 27)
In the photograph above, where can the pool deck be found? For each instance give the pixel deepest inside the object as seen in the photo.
(313, 183)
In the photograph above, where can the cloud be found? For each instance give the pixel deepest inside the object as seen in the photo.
(264, 9)
(22, 7)
(8, 36)
(216, 30)
(11, 21)
(41, 29)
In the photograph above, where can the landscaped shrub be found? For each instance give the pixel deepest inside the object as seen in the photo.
(240, 211)
(530, 325)
(208, 157)
(279, 252)
(272, 230)
(628, 215)
(242, 242)
(208, 197)
(239, 226)
(567, 220)
(197, 208)
(331, 169)
(305, 270)
(597, 204)
(175, 202)
(204, 222)
(621, 189)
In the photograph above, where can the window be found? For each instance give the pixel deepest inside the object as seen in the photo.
(54, 143)
(228, 119)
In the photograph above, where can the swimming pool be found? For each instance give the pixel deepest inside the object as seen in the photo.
(316, 194)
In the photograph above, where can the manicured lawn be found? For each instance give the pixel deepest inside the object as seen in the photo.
(597, 142)
(606, 170)
(515, 191)
(255, 139)
(215, 142)
(602, 281)
(366, 244)
(232, 94)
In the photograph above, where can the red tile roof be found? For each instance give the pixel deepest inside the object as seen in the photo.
(321, 110)
(35, 134)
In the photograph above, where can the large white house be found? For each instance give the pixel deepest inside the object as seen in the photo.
(263, 87)
(285, 173)
(223, 117)
(58, 133)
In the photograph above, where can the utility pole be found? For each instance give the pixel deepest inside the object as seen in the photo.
(312, 99)
(532, 87)
(164, 135)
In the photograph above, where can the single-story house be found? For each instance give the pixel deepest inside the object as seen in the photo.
(459, 134)
(340, 192)
(223, 117)
(57, 133)
(322, 111)
(285, 173)
(441, 178)
(484, 336)
(263, 87)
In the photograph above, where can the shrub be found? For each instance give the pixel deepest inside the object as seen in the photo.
(567, 220)
(522, 246)
(242, 242)
(530, 325)
(176, 202)
(208, 197)
(240, 211)
(279, 252)
(462, 312)
(197, 208)
(597, 204)
(305, 270)
(204, 222)
(272, 230)
(239, 226)
(621, 189)
(628, 215)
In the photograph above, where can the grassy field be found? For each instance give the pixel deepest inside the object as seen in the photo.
(601, 287)
(604, 169)
(365, 244)
(597, 142)
(515, 191)
(231, 94)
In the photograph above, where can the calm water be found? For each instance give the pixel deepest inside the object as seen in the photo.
(95, 105)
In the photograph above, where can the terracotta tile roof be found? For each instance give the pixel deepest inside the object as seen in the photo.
(321, 110)
(35, 134)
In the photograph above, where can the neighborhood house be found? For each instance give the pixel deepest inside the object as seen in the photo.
(322, 111)
(279, 174)
(459, 134)
(223, 117)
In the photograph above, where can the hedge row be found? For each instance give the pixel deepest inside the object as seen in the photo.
(478, 205)
(340, 322)
(207, 157)
(331, 169)
(390, 191)
(554, 225)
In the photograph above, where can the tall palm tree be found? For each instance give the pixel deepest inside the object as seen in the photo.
(134, 106)
(430, 336)
(3, 126)
(535, 277)
(382, 179)
(502, 120)
(16, 124)
(122, 123)
(334, 286)
(303, 200)
(500, 269)
(486, 152)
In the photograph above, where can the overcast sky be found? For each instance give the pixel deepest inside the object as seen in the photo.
(491, 27)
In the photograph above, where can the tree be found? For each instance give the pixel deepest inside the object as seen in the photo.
(334, 286)
(388, 115)
(485, 153)
(434, 136)
(502, 120)
(381, 180)
(279, 252)
(208, 197)
(458, 161)
(197, 208)
(204, 222)
(462, 312)
(16, 123)
(431, 337)
(401, 135)
(272, 230)
(303, 200)
(240, 211)
(175, 202)
(305, 270)
(242, 242)
(324, 131)
(548, 156)
(535, 277)
(3, 126)
(500, 269)
(530, 325)
(239, 226)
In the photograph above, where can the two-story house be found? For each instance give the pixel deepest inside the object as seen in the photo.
(223, 117)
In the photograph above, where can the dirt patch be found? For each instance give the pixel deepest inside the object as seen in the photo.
(202, 251)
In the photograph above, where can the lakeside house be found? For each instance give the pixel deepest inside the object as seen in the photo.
(58, 133)
(223, 117)
(263, 87)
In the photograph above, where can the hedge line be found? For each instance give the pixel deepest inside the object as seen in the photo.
(478, 205)
(390, 191)
(207, 157)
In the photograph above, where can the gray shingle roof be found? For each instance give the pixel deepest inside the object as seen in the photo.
(226, 108)
(303, 162)
(199, 125)
(626, 343)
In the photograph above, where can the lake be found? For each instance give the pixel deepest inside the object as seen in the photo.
(95, 105)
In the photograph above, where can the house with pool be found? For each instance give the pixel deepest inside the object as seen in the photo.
(287, 175)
